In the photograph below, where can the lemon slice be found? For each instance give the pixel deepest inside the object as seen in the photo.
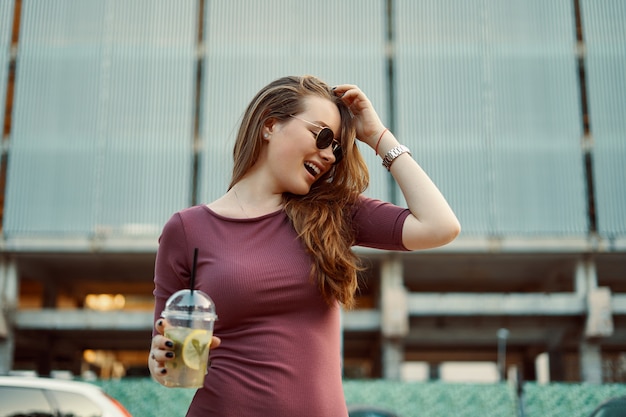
(195, 348)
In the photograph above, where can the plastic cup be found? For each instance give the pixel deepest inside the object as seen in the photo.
(190, 316)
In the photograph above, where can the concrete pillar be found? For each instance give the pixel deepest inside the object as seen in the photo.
(394, 299)
(586, 278)
(590, 362)
(394, 316)
(393, 357)
(8, 308)
(598, 324)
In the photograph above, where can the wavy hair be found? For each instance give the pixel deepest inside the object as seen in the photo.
(322, 218)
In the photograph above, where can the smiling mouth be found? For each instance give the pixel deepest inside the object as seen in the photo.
(313, 169)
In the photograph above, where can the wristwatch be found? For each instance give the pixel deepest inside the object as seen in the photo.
(393, 154)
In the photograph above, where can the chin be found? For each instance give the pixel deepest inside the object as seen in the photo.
(304, 190)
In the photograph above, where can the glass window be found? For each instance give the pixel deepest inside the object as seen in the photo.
(24, 402)
(76, 405)
(612, 410)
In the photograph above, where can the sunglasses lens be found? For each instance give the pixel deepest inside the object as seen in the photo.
(324, 138)
(338, 153)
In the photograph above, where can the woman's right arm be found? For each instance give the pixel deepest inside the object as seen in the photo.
(171, 273)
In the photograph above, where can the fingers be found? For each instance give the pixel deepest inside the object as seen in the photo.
(368, 123)
(161, 350)
(342, 88)
(215, 342)
(159, 326)
(351, 95)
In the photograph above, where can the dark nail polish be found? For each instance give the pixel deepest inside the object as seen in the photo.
(169, 354)
(160, 323)
(169, 344)
(163, 371)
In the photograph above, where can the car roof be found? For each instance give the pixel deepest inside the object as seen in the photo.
(611, 403)
(47, 383)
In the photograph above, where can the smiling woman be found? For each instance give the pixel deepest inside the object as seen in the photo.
(275, 250)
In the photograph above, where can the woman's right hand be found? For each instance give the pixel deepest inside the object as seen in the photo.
(162, 351)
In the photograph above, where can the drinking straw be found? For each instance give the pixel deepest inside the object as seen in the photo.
(192, 284)
(192, 280)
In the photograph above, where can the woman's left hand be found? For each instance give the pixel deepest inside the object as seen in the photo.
(368, 124)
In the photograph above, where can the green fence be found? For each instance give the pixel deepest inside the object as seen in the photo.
(145, 398)
(567, 400)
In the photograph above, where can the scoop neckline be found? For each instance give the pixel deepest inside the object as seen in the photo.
(243, 219)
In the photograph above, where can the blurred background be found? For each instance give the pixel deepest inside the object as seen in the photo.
(118, 113)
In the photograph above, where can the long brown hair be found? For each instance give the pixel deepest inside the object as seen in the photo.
(322, 217)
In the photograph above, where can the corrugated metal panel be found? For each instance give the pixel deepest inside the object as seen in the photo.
(249, 44)
(103, 125)
(488, 101)
(604, 25)
(6, 25)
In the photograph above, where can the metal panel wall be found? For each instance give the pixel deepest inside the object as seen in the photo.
(103, 120)
(6, 25)
(488, 101)
(249, 44)
(604, 28)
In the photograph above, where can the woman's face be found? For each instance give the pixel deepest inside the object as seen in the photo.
(294, 159)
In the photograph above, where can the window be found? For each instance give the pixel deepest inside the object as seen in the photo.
(24, 402)
(75, 405)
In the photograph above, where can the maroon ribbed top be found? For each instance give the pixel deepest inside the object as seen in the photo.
(280, 352)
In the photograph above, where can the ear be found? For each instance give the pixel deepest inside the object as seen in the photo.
(268, 128)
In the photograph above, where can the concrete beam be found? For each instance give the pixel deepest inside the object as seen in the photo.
(430, 304)
(361, 320)
(122, 243)
(51, 319)
(466, 304)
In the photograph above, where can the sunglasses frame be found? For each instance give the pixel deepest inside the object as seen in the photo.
(323, 142)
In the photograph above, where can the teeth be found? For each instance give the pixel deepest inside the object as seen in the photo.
(312, 167)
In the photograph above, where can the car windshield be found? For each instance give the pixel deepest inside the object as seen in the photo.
(615, 409)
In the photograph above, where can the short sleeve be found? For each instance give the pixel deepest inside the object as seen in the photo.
(378, 224)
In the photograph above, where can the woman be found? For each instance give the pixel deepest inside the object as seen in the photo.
(274, 251)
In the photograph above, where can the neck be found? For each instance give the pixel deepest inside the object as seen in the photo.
(253, 202)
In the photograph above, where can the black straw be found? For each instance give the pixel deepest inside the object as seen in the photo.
(192, 280)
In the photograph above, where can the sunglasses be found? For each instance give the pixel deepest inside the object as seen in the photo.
(324, 138)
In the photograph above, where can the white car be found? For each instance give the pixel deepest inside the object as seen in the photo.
(43, 397)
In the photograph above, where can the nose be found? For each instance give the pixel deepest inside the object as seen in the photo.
(327, 154)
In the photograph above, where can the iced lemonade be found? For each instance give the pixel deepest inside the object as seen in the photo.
(191, 356)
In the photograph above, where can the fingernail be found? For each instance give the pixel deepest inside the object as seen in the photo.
(333, 88)
(160, 323)
(169, 354)
(163, 371)
(169, 344)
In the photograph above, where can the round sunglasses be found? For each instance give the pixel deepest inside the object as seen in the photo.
(324, 138)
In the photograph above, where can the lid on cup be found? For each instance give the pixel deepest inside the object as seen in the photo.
(190, 303)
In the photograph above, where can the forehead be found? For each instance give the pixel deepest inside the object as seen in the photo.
(322, 111)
